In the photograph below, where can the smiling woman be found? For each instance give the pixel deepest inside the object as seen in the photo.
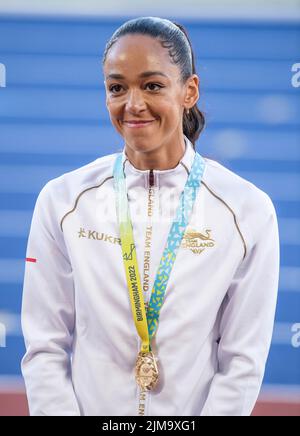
(189, 335)
(152, 91)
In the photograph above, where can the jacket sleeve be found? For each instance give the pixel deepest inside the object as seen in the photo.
(247, 321)
(48, 315)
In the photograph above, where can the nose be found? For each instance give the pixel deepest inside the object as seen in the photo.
(135, 101)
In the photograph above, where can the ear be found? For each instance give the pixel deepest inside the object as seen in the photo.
(192, 91)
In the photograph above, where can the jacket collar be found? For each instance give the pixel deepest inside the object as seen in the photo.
(185, 162)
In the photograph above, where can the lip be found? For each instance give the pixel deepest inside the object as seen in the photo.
(137, 124)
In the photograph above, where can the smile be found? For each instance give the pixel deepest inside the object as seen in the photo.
(137, 125)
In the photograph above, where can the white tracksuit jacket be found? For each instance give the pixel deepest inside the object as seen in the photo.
(217, 318)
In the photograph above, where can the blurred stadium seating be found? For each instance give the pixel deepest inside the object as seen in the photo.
(53, 119)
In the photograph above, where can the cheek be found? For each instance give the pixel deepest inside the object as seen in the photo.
(115, 113)
(169, 111)
(168, 104)
(112, 106)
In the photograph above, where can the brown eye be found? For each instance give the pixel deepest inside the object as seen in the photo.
(157, 87)
(112, 87)
(154, 84)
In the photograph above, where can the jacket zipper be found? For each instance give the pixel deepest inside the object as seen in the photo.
(151, 178)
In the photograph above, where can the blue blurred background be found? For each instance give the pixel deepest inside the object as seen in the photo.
(53, 119)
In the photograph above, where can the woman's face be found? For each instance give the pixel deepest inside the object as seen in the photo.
(159, 98)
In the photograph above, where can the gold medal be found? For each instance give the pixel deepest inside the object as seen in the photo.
(146, 370)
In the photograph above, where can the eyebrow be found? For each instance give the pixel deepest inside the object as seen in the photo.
(142, 75)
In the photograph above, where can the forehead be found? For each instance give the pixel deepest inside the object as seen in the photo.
(133, 54)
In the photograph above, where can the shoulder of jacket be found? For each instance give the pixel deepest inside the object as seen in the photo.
(238, 191)
(251, 205)
(59, 194)
(71, 183)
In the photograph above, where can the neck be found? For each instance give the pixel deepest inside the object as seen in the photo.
(163, 158)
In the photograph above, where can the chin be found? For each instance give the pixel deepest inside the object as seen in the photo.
(140, 143)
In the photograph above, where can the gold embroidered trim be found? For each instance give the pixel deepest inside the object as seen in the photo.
(77, 199)
(234, 216)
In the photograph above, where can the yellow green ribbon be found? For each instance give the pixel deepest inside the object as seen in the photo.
(147, 323)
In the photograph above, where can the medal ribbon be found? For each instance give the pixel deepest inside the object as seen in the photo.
(147, 324)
